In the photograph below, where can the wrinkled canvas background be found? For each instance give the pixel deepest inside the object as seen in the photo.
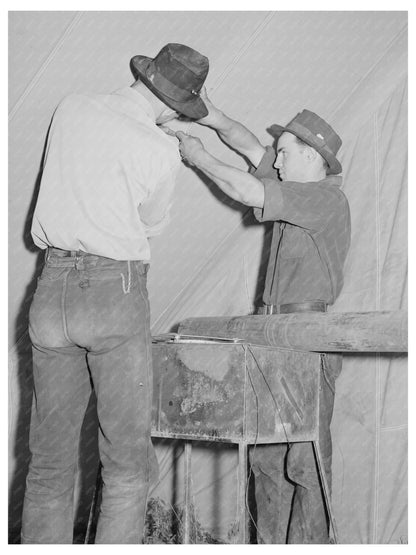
(351, 68)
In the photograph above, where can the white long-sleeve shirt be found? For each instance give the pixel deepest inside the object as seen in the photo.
(108, 177)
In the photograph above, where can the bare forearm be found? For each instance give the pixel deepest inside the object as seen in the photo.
(235, 134)
(235, 183)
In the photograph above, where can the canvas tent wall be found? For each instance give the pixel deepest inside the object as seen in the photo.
(351, 68)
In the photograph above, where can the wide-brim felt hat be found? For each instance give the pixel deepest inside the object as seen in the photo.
(315, 132)
(176, 76)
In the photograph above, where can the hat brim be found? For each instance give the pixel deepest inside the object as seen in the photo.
(193, 109)
(334, 166)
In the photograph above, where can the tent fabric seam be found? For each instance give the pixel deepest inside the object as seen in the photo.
(246, 283)
(45, 64)
(369, 71)
(224, 74)
(243, 49)
(399, 427)
(378, 358)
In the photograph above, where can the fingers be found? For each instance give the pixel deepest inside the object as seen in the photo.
(167, 130)
(180, 135)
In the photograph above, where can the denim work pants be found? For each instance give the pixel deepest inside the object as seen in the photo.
(89, 322)
(289, 498)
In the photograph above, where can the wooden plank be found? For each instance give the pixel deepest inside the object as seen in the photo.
(313, 331)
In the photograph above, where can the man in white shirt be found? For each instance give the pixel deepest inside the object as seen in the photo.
(106, 187)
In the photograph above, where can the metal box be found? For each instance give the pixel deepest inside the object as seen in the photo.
(235, 392)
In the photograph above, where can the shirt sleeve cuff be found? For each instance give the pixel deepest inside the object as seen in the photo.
(265, 168)
(273, 202)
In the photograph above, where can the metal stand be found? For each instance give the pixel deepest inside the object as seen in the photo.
(243, 532)
(326, 492)
(192, 382)
(243, 528)
(187, 532)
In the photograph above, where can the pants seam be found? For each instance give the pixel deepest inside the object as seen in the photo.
(63, 308)
(149, 377)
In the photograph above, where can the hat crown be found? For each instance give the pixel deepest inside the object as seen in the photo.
(183, 66)
(176, 76)
(318, 127)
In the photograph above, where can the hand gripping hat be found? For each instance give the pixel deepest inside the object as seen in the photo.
(315, 132)
(176, 76)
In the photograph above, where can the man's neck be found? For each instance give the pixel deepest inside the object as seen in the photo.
(321, 175)
(153, 100)
(313, 176)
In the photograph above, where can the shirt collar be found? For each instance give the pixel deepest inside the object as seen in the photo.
(139, 101)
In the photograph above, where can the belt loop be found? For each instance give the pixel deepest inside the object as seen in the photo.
(47, 254)
(79, 260)
(126, 289)
(129, 275)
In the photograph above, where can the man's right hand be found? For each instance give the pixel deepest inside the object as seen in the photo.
(190, 148)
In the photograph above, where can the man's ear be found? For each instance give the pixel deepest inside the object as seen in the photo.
(310, 154)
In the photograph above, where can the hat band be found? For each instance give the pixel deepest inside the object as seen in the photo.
(307, 133)
(174, 92)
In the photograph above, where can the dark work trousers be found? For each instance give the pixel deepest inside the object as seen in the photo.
(289, 497)
(89, 321)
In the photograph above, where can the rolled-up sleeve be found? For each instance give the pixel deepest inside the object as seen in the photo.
(265, 169)
(273, 199)
(309, 205)
(267, 174)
